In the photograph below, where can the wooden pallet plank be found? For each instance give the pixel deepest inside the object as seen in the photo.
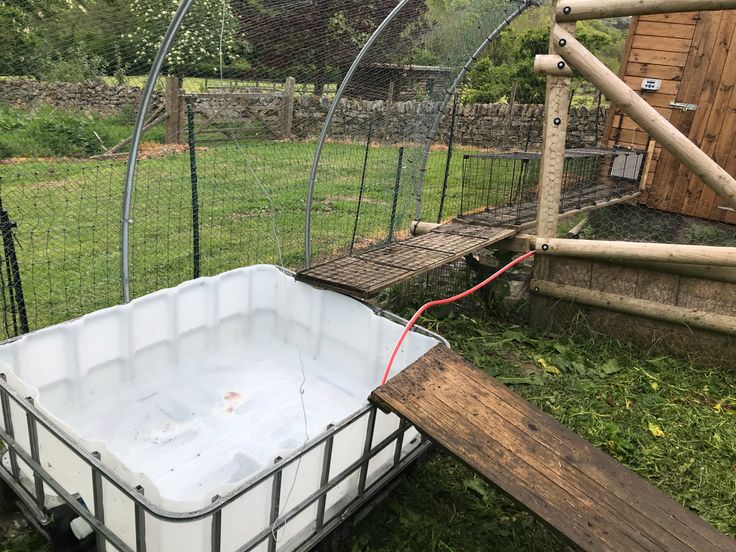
(366, 274)
(358, 277)
(410, 258)
(582, 492)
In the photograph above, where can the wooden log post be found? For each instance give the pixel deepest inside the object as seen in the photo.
(648, 118)
(649, 252)
(287, 109)
(556, 115)
(637, 307)
(577, 10)
(174, 110)
(552, 66)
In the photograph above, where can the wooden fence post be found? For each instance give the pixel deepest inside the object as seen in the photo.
(551, 174)
(287, 111)
(510, 117)
(173, 110)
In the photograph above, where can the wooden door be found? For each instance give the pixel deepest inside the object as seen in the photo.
(708, 83)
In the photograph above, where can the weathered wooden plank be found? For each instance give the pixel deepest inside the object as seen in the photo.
(683, 18)
(661, 44)
(366, 274)
(579, 490)
(666, 29)
(654, 71)
(677, 59)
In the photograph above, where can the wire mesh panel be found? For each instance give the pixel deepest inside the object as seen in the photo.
(502, 188)
(228, 139)
(373, 168)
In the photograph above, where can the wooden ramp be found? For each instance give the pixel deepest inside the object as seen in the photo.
(580, 491)
(365, 274)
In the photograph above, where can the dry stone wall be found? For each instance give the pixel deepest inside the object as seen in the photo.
(478, 125)
(89, 97)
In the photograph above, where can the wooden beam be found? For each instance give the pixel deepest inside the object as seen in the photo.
(633, 251)
(638, 307)
(551, 65)
(576, 10)
(668, 136)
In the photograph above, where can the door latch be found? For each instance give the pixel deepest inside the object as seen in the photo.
(684, 106)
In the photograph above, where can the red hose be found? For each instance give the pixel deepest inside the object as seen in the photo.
(444, 302)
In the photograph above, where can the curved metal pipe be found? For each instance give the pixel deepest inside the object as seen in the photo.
(158, 62)
(326, 127)
(451, 91)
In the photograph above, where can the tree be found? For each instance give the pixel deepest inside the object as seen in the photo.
(511, 60)
(207, 29)
(316, 40)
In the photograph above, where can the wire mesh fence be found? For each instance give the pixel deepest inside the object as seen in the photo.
(228, 142)
(503, 188)
(638, 223)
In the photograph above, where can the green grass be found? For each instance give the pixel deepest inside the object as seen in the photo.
(612, 394)
(68, 214)
(49, 132)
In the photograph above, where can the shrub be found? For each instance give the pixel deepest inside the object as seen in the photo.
(64, 133)
(73, 65)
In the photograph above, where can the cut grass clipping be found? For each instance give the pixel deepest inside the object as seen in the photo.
(671, 422)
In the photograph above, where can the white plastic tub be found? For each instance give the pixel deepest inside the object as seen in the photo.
(195, 396)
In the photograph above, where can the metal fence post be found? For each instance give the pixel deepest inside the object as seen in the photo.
(195, 191)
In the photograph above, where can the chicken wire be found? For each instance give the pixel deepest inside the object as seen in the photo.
(228, 143)
(638, 223)
(400, 157)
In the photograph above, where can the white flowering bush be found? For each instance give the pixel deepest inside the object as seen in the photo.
(207, 32)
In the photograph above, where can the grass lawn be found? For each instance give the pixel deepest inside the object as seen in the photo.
(68, 215)
(612, 394)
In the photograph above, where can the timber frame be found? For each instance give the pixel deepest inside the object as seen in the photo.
(567, 53)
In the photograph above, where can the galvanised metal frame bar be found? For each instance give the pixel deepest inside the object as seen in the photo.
(328, 121)
(140, 122)
(429, 139)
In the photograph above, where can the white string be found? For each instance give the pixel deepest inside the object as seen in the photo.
(280, 252)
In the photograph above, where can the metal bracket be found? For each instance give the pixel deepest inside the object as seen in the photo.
(684, 106)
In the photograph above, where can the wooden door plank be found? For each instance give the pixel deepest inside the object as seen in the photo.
(676, 59)
(687, 186)
(662, 44)
(654, 71)
(682, 18)
(719, 136)
(669, 30)
(695, 72)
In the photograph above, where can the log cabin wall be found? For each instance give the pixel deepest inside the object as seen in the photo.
(694, 55)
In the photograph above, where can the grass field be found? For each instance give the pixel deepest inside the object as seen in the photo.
(68, 214)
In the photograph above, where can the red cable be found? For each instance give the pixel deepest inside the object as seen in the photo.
(444, 302)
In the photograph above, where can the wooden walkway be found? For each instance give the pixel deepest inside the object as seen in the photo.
(365, 274)
(589, 498)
